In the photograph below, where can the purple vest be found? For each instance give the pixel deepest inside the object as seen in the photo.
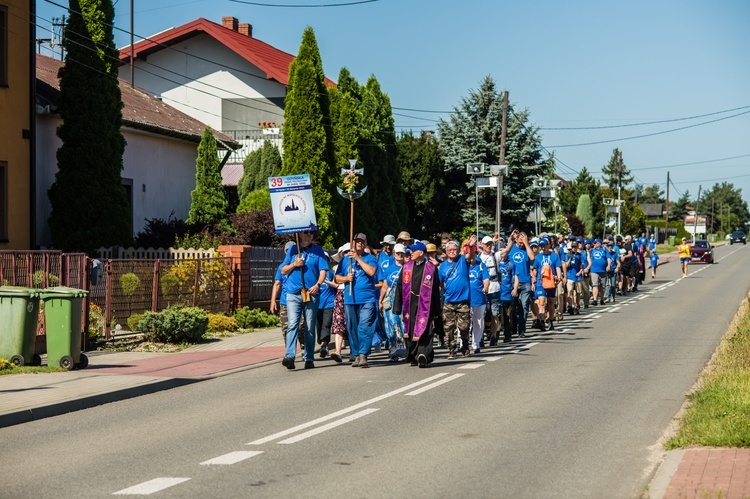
(425, 297)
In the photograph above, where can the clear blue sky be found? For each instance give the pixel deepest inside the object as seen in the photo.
(570, 63)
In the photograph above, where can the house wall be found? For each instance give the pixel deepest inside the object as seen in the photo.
(15, 132)
(164, 165)
(206, 86)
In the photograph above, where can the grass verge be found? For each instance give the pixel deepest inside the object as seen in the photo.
(31, 370)
(719, 410)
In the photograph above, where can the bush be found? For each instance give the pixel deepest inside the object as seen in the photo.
(38, 279)
(129, 283)
(96, 322)
(176, 324)
(6, 365)
(134, 322)
(218, 323)
(251, 318)
(160, 233)
(255, 228)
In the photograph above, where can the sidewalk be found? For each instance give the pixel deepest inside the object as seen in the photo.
(114, 376)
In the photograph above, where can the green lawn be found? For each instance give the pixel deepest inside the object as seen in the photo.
(31, 370)
(719, 410)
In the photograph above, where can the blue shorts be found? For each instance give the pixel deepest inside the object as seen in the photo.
(548, 293)
(685, 260)
(495, 304)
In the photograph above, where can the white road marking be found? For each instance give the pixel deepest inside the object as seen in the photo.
(475, 365)
(435, 385)
(327, 427)
(615, 309)
(642, 297)
(233, 457)
(344, 411)
(146, 488)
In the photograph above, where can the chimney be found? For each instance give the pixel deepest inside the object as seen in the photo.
(245, 29)
(229, 22)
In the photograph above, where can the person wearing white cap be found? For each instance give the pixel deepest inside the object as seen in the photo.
(489, 258)
(338, 323)
(684, 252)
(358, 271)
(394, 326)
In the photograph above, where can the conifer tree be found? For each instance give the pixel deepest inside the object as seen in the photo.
(308, 136)
(616, 173)
(209, 203)
(585, 213)
(89, 204)
(250, 168)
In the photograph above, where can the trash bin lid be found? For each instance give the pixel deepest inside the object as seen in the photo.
(11, 291)
(63, 292)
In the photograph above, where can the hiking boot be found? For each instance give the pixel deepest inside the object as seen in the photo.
(421, 360)
(363, 361)
(288, 362)
(357, 360)
(309, 364)
(493, 341)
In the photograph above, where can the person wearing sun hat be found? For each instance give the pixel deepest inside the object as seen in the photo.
(358, 271)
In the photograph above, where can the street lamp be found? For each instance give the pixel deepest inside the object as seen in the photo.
(475, 170)
(499, 171)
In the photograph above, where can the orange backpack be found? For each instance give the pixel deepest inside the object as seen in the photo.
(548, 280)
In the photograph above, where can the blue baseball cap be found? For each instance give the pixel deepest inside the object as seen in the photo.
(597, 240)
(418, 246)
(543, 241)
(589, 241)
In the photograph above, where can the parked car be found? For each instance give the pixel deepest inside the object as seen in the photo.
(701, 251)
(737, 237)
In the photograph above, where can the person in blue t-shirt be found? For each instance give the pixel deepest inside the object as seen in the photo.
(574, 274)
(479, 282)
(654, 257)
(613, 253)
(599, 264)
(508, 293)
(545, 292)
(358, 271)
(325, 311)
(454, 280)
(520, 255)
(305, 267)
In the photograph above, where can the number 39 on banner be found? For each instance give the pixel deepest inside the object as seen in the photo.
(275, 181)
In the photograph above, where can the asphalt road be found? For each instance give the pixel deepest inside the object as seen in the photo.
(573, 413)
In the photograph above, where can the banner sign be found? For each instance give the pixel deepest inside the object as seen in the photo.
(292, 203)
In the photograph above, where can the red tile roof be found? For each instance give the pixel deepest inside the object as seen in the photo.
(140, 110)
(274, 62)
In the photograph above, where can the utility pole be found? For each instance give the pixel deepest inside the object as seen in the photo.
(619, 193)
(666, 214)
(132, 48)
(501, 161)
(695, 219)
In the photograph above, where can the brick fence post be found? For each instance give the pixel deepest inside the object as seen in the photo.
(240, 277)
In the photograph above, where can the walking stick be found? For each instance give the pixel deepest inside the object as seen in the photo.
(303, 292)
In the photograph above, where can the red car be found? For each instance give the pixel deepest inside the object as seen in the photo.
(701, 252)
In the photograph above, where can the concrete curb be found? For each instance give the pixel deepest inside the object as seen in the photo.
(663, 478)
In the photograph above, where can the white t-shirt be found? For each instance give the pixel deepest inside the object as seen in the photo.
(491, 263)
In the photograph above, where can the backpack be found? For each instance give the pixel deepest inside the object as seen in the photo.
(548, 280)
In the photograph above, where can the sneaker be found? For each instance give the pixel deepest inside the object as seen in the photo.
(413, 363)
(363, 361)
(542, 326)
(421, 360)
(288, 362)
(476, 350)
(481, 344)
(357, 360)
(323, 352)
(493, 342)
(465, 352)
(521, 335)
(336, 357)
(451, 355)
(309, 364)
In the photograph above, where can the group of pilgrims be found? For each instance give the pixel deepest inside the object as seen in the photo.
(411, 297)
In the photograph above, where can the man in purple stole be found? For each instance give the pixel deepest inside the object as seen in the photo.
(417, 299)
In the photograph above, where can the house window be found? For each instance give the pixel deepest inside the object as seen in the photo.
(3, 46)
(3, 201)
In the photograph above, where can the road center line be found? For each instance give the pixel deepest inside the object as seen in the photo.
(146, 488)
(344, 411)
(435, 384)
(233, 457)
(328, 426)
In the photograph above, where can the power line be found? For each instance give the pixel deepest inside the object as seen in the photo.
(303, 6)
(646, 122)
(652, 134)
(692, 163)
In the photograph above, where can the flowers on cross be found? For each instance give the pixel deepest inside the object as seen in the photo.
(350, 181)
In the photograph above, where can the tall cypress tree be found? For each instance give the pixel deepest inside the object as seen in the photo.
(89, 204)
(208, 201)
(308, 136)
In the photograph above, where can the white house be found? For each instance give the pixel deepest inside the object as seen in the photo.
(159, 159)
(217, 73)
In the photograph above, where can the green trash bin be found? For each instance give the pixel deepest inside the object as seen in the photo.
(62, 316)
(19, 312)
(672, 240)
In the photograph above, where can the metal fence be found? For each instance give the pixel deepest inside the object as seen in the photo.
(263, 264)
(252, 140)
